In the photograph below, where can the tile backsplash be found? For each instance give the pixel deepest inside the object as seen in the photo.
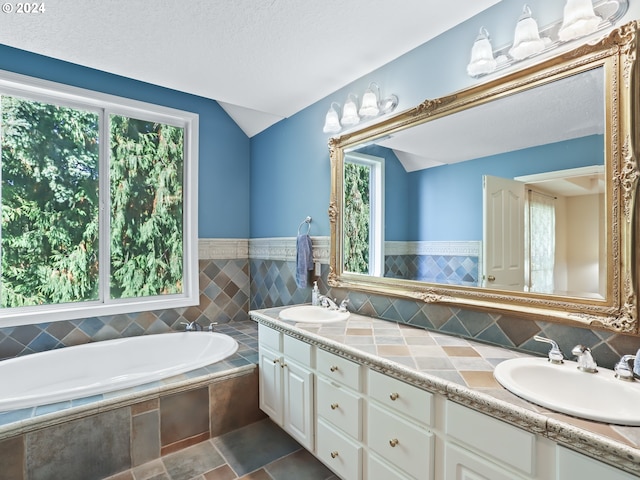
(273, 284)
(261, 274)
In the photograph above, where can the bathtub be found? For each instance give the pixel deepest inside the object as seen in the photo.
(95, 368)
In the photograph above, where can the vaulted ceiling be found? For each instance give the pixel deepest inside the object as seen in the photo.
(262, 60)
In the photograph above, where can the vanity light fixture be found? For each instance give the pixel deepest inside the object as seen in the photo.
(526, 40)
(369, 107)
(332, 120)
(350, 112)
(579, 20)
(372, 106)
(482, 60)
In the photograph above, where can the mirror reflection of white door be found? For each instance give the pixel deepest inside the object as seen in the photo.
(503, 202)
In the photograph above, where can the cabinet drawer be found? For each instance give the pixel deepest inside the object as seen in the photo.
(298, 350)
(379, 470)
(406, 446)
(339, 453)
(515, 448)
(340, 407)
(402, 397)
(460, 464)
(339, 369)
(269, 337)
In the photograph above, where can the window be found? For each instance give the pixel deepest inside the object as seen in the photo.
(363, 222)
(98, 202)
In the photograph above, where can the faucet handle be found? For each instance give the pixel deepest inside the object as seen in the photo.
(623, 370)
(343, 305)
(555, 354)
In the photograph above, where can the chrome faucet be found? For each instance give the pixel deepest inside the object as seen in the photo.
(555, 355)
(343, 305)
(623, 370)
(191, 326)
(586, 363)
(327, 302)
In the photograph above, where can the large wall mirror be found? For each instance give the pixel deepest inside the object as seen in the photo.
(516, 195)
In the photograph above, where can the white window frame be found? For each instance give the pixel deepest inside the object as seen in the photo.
(106, 105)
(376, 214)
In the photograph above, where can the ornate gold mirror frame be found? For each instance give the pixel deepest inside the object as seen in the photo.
(617, 309)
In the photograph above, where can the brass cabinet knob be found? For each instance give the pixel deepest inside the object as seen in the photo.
(334, 454)
(491, 278)
(277, 360)
(334, 368)
(394, 396)
(393, 442)
(334, 406)
(282, 365)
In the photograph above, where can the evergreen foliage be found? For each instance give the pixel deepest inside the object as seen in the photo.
(50, 205)
(357, 211)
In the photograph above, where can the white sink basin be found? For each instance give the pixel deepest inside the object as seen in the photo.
(312, 314)
(593, 396)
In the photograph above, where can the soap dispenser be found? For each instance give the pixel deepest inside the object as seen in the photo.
(315, 295)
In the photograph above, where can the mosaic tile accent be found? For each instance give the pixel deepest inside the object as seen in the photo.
(447, 269)
(224, 297)
(273, 284)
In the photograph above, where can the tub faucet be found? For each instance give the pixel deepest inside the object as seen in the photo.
(586, 363)
(555, 355)
(191, 326)
(343, 305)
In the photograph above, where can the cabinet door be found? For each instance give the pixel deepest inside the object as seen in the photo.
(270, 384)
(298, 403)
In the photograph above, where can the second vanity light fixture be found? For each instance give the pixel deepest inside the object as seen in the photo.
(581, 18)
(371, 106)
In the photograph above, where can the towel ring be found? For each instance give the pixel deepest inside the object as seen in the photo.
(308, 222)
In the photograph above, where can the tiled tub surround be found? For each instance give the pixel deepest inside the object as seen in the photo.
(224, 297)
(460, 370)
(102, 435)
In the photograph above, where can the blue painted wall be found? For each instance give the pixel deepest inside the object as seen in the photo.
(447, 200)
(290, 171)
(223, 178)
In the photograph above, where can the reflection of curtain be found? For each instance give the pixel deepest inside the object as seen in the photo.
(542, 248)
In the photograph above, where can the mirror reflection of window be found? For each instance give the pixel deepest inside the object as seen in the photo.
(542, 246)
(363, 214)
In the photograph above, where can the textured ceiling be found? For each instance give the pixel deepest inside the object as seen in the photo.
(263, 60)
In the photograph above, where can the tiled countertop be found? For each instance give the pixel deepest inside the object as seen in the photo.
(461, 370)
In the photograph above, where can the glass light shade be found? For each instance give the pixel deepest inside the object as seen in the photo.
(482, 61)
(579, 20)
(526, 39)
(369, 107)
(331, 121)
(350, 113)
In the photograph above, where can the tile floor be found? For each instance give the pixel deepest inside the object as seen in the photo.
(260, 451)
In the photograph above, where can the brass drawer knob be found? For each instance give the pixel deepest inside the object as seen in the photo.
(394, 396)
(334, 454)
(334, 406)
(334, 368)
(393, 442)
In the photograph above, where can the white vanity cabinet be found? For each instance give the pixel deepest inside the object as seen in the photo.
(286, 383)
(399, 417)
(480, 446)
(339, 403)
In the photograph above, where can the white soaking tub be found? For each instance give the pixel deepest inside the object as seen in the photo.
(100, 367)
